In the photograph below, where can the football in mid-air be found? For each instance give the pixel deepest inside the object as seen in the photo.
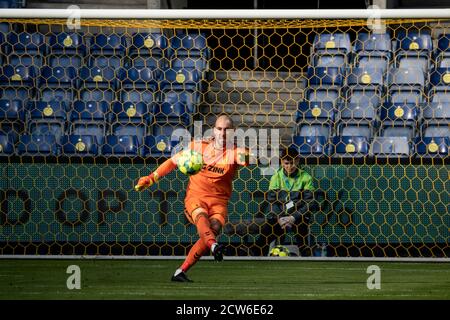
(190, 162)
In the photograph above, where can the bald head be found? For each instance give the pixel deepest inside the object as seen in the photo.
(223, 130)
(224, 121)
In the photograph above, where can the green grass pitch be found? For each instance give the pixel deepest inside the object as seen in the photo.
(277, 280)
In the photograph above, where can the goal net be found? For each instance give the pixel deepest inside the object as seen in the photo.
(88, 106)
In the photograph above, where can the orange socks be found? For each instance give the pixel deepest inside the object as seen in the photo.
(201, 247)
(204, 231)
(196, 252)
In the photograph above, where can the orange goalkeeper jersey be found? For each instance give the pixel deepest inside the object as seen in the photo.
(219, 168)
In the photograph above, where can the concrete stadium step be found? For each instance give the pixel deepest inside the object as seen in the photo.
(265, 109)
(283, 76)
(257, 96)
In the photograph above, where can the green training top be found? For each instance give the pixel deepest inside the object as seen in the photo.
(299, 182)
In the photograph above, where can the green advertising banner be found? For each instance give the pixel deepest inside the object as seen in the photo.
(97, 203)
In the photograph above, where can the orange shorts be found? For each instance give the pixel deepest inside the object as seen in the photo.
(214, 208)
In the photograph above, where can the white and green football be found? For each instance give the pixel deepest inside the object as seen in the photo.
(190, 162)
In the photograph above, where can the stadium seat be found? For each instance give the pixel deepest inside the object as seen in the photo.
(115, 62)
(429, 147)
(414, 50)
(6, 145)
(434, 112)
(58, 84)
(435, 130)
(323, 77)
(139, 78)
(107, 45)
(350, 146)
(68, 44)
(149, 44)
(390, 147)
(189, 44)
(172, 113)
(12, 118)
(120, 146)
(98, 78)
(26, 60)
(356, 129)
(332, 60)
(26, 43)
(366, 77)
(314, 130)
(399, 120)
(55, 128)
(181, 86)
(58, 60)
(79, 145)
(47, 118)
(311, 145)
(315, 111)
(159, 146)
(40, 145)
(155, 63)
(406, 86)
(442, 52)
(329, 42)
(90, 118)
(373, 50)
(172, 130)
(17, 83)
(130, 119)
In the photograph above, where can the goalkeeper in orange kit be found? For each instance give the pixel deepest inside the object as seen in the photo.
(208, 191)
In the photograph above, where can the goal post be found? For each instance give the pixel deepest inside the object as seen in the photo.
(91, 100)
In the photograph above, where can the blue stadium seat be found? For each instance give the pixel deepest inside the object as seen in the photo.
(79, 145)
(366, 77)
(107, 45)
(440, 79)
(442, 53)
(40, 145)
(399, 120)
(414, 50)
(350, 146)
(436, 112)
(98, 78)
(172, 113)
(435, 130)
(139, 78)
(313, 146)
(58, 84)
(67, 43)
(329, 42)
(17, 83)
(390, 147)
(432, 147)
(26, 60)
(130, 119)
(315, 111)
(159, 146)
(27, 43)
(120, 146)
(6, 145)
(17, 76)
(12, 110)
(314, 129)
(170, 130)
(328, 76)
(92, 128)
(190, 44)
(47, 111)
(373, 42)
(12, 118)
(55, 128)
(155, 63)
(406, 86)
(356, 129)
(115, 62)
(325, 60)
(149, 44)
(58, 60)
(87, 111)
